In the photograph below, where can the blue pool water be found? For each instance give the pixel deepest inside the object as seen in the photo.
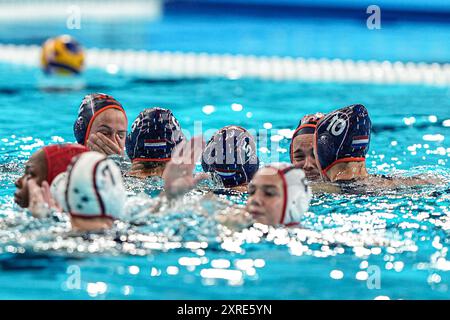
(259, 33)
(355, 247)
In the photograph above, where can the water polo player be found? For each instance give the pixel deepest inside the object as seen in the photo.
(230, 156)
(301, 149)
(91, 191)
(278, 193)
(43, 166)
(342, 141)
(101, 124)
(153, 137)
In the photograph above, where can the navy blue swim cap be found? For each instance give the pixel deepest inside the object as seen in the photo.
(231, 155)
(343, 136)
(91, 106)
(154, 135)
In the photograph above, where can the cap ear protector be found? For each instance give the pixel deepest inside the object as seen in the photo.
(91, 107)
(95, 187)
(343, 136)
(58, 190)
(230, 155)
(306, 126)
(154, 135)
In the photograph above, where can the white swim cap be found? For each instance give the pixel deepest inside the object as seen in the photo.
(95, 187)
(297, 193)
(58, 189)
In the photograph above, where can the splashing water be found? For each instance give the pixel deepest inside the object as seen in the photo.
(391, 244)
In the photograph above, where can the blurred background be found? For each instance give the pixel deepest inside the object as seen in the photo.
(409, 30)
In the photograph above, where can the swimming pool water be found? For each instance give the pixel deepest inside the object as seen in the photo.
(270, 34)
(403, 237)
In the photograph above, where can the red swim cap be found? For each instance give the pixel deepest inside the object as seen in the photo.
(59, 157)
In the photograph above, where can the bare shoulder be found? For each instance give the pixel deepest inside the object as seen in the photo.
(398, 182)
(374, 184)
(325, 187)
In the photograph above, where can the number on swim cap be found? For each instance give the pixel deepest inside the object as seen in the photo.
(337, 126)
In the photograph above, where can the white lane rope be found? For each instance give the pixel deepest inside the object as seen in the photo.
(178, 64)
